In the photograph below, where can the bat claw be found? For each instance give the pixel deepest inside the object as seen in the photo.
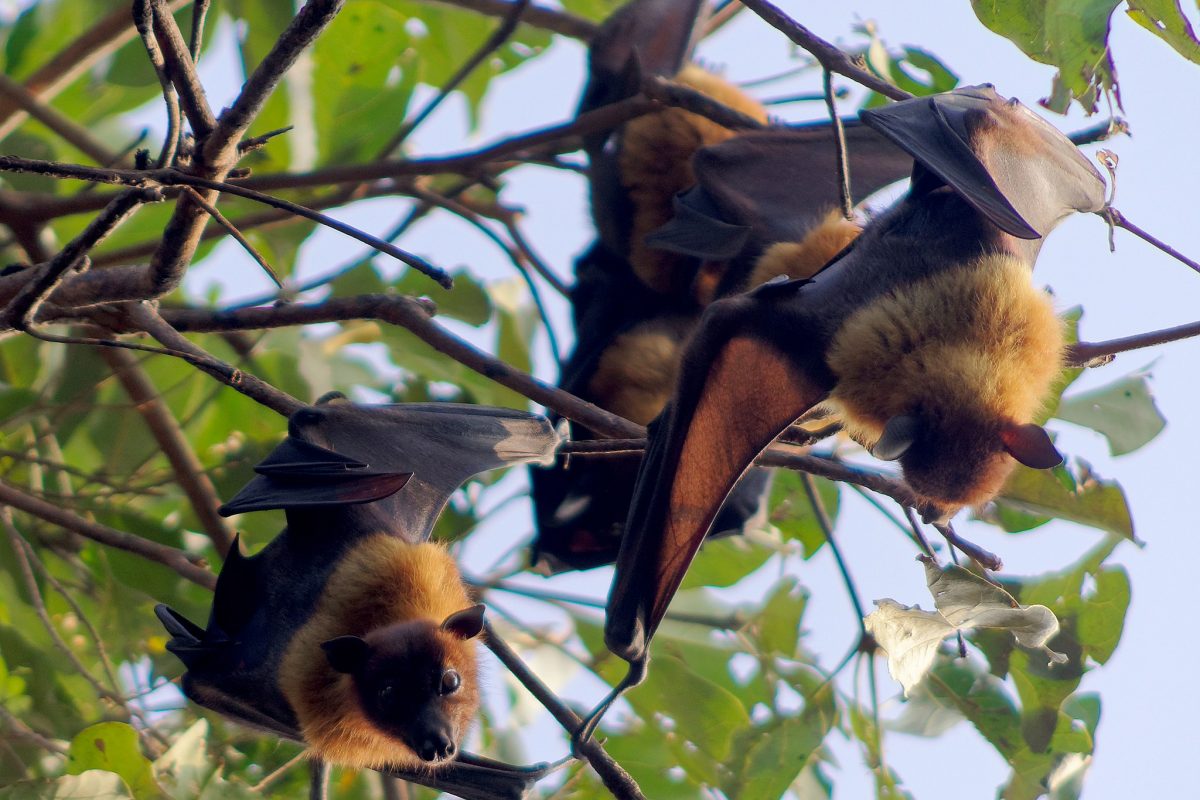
(587, 727)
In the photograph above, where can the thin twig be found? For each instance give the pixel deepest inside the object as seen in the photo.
(174, 177)
(21, 312)
(537, 16)
(830, 57)
(988, 560)
(145, 318)
(1085, 353)
(196, 39)
(310, 21)
(1115, 217)
(503, 32)
(413, 315)
(917, 534)
(514, 256)
(25, 568)
(514, 231)
(143, 19)
(177, 61)
(19, 728)
(173, 442)
(826, 525)
(841, 162)
(186, 565)
(615, 778)
(232, 230)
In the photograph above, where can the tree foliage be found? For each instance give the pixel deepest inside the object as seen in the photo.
(144, 444)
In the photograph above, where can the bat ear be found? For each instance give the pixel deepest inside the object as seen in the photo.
(465, 624)
(1011, 165)
(346, 653)
(1031, 445)
(898, 435)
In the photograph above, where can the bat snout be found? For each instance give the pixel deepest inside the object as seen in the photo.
(437, 745)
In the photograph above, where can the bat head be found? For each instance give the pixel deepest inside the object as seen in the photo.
(1013, 167)
(962, 460)
(417, 680)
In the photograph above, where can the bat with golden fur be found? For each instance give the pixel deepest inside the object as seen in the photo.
(638, 293)
(926, 335)
(350, 631)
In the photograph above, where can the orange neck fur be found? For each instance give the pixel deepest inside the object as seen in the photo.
(381, 581)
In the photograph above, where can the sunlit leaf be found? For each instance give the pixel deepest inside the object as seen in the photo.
(1124, 411)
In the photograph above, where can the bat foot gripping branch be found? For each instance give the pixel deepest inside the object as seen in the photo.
(635, 675)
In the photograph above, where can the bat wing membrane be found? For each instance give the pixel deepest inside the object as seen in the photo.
(737, 392)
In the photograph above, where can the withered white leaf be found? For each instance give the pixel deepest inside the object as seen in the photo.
(910, 636)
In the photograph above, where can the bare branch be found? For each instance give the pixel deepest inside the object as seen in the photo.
(1084, 353)
(81, 54)
(493, 43)
(145, 318)
(615, 778)
(414, 316)
(143, 19)
(1115, 217)
(70, 130)
(186, 565)
(537, 17)
(232, 230)
(303, 30)
(171, 439)
(21, 311)
(830, 57)
(179, 66)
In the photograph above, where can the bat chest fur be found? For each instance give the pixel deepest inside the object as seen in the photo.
(381, 581)
(973, 347)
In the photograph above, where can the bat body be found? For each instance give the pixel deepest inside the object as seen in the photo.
(926, 334)
(638, 297)
(349, 631)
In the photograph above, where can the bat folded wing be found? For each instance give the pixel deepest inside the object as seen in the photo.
(738, 391)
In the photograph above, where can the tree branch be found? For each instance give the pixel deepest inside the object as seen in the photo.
(171, 439)
(550, 19)
(830, 57)
(186, 565)
(615, 778)
(414, 316)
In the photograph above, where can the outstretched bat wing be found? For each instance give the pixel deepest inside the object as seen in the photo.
(738, 390)
(1012, 166)
(396, 465)
(763, 187)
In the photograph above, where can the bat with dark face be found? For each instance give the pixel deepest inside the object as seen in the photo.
(638, 296)
(350, 631)
(927, 336)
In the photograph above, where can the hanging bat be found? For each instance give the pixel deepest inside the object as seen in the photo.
(637, 298)
(350, 631)
(927, 335)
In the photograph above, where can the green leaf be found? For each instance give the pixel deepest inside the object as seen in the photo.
(1165, 19)
(1123, 411)
(779, 622)
(794, 515)
(1094, 501)
(704, 712)
(724, 562)
(1069, 34)
(113, 746)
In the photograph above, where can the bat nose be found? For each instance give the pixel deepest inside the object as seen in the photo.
(437, 746)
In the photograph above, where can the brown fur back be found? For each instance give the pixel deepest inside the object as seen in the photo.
(383, 580)
(977, 342)
(656, 163)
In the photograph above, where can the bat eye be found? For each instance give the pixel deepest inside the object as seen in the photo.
(387, 695)
(450, 682)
